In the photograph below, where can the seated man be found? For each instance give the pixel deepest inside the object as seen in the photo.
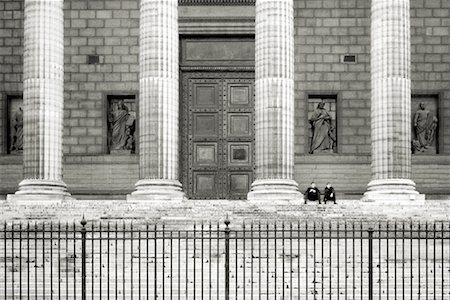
(312, 193)
(330, 195)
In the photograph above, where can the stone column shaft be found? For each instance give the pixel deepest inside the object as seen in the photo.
(158, 102)
(391, 102)
(274, 104)
(43, 98)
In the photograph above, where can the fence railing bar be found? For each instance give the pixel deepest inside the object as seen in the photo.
(411, 262)
(155, 265)
(303, 232)
(171, 266)
(442, 262)
(345, 250)
(210, 263)
(20, 260)
(108, 259)
(448, 257)
(202, 262)
(163, 263)
(306, 261)
(147, 258)
(179, 265)
(83, 259)
(314, 260)
(387, 264)
(12, 260)
(291, 270)
(123, 261)
(322, 270)
(354, 263)
(93, 261)
(243, 262)
(426, 261)
(434, 259)
(218, 262)
(35, 263)
(338, 257)
(51, 260)
(362, 263)
(275, 260)
(298, 262)
(187, 265)
(330, 264)
(227, 260)
(132, 261)
(39, 238)
(370, 231)
(403, 260)
(5, 262)
(116, 285)
(251, 259)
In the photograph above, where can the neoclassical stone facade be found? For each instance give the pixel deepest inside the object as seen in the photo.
(140, 50)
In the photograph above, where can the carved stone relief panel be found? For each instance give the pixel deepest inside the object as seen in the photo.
(122, 124)
(322, 123)
(425, 124)
(14, 125)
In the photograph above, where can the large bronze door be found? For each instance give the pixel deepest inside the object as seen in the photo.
(218, 135)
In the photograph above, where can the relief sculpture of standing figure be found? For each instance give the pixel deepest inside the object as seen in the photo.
(425, 125)
(321, 125)
(118, 118)
(17, 142)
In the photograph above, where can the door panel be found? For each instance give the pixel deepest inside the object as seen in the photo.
(205, 125)
(218, 135)
(205, 95)
(240, 125)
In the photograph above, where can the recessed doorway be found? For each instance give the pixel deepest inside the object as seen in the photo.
(217, 134)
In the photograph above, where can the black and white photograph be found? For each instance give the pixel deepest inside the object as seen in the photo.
(225, 149)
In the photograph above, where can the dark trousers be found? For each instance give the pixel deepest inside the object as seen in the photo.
(307, 199)
(329, 199)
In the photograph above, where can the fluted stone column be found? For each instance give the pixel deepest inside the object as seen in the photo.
(391, 103)
(274, 103)
(158, 102)
(43, 83)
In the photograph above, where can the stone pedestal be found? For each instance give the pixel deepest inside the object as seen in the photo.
(158, 103)
(274, 102)
(43, 104)
(398, 190)
(391, 103)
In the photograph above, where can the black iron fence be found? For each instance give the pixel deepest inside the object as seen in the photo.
(301, 260)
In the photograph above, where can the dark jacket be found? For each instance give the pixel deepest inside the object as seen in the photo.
(329, 194)
(312, 194)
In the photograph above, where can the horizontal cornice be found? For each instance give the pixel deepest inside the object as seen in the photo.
(216, 2)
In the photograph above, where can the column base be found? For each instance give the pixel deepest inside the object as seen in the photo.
(275, 190)
(40, 192)
(392, 190)
(157, 190)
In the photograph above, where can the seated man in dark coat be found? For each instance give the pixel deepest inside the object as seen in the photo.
(330, 195)
(312, 193)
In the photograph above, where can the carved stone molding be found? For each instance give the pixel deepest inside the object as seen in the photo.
(216, 2)
(218, 68)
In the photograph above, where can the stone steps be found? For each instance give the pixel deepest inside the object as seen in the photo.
(218, 210)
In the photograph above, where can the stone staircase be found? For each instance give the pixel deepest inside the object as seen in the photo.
(190, 211)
